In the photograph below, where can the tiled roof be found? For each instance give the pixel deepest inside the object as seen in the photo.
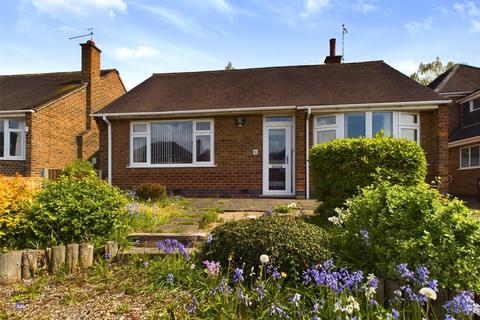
(30, 91)
(328, 84)
(459, 78)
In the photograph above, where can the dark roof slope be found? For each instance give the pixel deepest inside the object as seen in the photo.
(349, 83)
(30, 91)
(459, 78)
(465, 133)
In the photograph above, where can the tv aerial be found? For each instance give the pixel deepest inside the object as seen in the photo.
(344, 31)
(84, 35)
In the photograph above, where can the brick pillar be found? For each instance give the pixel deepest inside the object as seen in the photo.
(442, 145)
(91, 76)
(300, 153)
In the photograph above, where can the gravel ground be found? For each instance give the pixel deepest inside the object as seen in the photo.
(78, 297)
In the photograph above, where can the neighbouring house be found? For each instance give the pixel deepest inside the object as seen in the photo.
(246, 133)
(45, 118)
(461, 84)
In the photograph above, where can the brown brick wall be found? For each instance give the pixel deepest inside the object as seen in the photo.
(237, 173)
(56, 128)
(434, 140)
(463, 182)
(454, 117)
(300, 153)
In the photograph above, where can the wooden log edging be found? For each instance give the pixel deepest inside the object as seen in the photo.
(24, 264)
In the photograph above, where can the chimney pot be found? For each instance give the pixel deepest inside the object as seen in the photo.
(333, 42)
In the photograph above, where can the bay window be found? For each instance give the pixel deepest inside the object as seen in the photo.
(12, 139)
(470, 157)
(366, 124)
(171, 143)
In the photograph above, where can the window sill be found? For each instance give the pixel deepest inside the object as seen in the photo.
(469, 168)
(12, 159)
(153, 166)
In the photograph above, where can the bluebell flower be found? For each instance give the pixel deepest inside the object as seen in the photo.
(243, 298)
(192, 307)
(209, 238)
(395, 313)
(19, 306)
(107, 256)
(404, 272)
(145, 264)
(170, 278)
(238, 275)
(295, 299)
(463, 303)
(274, 273)
(260, 290)
(276, 310)
(364, 234)
(171, 246)
(421, 275)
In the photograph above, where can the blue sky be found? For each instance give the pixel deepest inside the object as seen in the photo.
(141, 37)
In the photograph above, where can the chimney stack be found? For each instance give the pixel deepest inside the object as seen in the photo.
(91, 77)
(333, 58)
(90, 62)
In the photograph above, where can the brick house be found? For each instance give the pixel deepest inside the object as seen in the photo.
(246, 133)
(461, 84)
(45, 118)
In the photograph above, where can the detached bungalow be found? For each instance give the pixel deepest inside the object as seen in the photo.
(45, 117)
(246, 133)
(461, 84)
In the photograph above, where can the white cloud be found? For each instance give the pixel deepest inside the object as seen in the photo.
(139, 52)
(174, 18)
(57, 8)
(475, 25)
(416, 26)
(313, 6)
(468, 8)
(406, 66)
(366, 7)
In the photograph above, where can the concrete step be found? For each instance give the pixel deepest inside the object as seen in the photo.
(148, 251)
(185, 220)
(150, 239)
(179, 228)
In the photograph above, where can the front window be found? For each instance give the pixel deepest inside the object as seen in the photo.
(475, 104)
(172, 143)
(366, 124)
(12, 139)
(470, 157)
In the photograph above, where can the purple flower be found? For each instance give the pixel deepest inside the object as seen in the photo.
(274, 273)
(295, 299)
(213, 268)
(169, 246)
(276, 310)
(238, 275)
(421, 275)
(107, 256)
(192, 308)
(222, 288)
(404, 272)
(260, 290)
(19, 306)
(463, 303)
(170, 278)
(449, 317)
(137, 242)
(364, 234)
(395, 313)
(243, 298)
(433, 284)
(209, 238)
(145, 264)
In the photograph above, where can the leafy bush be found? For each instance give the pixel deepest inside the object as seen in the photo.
(15, 198)
(391, 224)
(151, 192)
(341, 166)
(292, 245)
(79, 169)
(73, 209)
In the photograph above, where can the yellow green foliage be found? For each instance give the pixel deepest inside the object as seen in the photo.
(16, 196)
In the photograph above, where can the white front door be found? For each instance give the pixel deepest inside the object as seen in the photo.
(277, 156)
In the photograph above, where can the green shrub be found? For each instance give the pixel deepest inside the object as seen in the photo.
(73, 209)
(79, 169)
(151, 192)
(292, 245)
(389, 224)
(341, 166)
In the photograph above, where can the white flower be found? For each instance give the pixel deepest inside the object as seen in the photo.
(292, 205)
(429, 293)
(264, 259)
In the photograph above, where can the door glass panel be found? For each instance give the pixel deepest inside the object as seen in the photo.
(408, 118)
(276, 146)
(475, 156)
(325, 136)
(276, 179)
(355, 124)
(382, 121)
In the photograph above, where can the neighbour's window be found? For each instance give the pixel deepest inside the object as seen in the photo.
(366, 124)
(474, 104)
(172, 143)
(12, 139)
(470, 157)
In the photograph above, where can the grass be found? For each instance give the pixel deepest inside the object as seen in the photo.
(151, 216)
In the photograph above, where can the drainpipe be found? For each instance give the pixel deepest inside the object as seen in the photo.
(307, 154)
(109, 144)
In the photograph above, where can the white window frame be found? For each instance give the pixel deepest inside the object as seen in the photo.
(469, 158)
(195, 133)
(6, 139)
(340, 124)
(471, 105)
